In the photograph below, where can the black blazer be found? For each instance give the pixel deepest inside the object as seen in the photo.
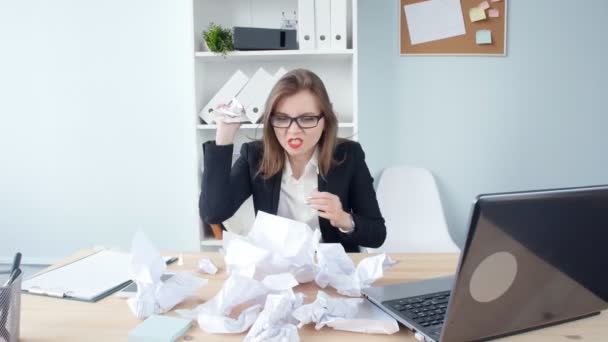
(224, 189)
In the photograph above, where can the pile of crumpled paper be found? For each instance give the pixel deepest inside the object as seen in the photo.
(265, 266)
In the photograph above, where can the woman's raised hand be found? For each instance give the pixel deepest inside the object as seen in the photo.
(226, 131)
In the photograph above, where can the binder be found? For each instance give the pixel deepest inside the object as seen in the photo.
(88, 279)
(253, 95)
(277, 76)
(323, 23)
(228, 91)
(306, 25)
(338, 24)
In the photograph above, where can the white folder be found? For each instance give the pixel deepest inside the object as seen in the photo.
(306, 24)
(253, 95)
(277, 76)
(338, 24)
(228, 91)
(323, 23)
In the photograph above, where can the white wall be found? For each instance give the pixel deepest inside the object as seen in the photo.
(97, 137)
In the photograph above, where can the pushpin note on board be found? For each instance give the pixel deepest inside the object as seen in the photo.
(493, 13)
(484, 5)
(483, 37)
(477, 14)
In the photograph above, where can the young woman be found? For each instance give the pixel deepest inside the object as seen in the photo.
(299, 170)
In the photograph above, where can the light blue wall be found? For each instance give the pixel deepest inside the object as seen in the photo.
(535, 119)
(377, 64)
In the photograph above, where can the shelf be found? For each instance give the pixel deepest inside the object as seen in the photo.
(255, 126)
(269, 55)
(211, 243)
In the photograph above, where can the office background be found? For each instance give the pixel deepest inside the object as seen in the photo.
(96, 140)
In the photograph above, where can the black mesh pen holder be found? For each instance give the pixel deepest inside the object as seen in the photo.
(10, 310)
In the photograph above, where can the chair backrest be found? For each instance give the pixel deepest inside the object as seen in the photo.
(410, 204)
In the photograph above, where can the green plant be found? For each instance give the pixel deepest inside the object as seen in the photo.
(218, 39)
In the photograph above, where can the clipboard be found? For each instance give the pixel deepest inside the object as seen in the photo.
(88, 279)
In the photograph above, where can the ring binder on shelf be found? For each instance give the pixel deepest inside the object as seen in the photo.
(306, 25)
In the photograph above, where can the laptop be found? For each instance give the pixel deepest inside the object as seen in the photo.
(531, 259)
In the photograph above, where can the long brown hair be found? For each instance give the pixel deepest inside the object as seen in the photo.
(291, 83)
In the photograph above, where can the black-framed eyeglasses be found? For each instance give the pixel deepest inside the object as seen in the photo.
(303, 121)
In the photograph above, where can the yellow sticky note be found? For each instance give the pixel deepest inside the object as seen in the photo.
(477, 14)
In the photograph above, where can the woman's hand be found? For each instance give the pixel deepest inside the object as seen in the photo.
(225, 133)
(330, 207)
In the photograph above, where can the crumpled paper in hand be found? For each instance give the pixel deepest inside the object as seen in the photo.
(336, 269)
(276, 323)
(274, 245)
(214, 316)
(230, 112)
(349, 314)
(153, 295)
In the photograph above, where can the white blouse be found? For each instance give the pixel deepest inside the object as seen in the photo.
(295, 192)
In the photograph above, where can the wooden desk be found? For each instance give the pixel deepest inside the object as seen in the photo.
(52, 319)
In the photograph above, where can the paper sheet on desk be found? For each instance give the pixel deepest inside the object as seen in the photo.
(238, 291)
(349, 314)
(336, 269)
(153, 295)
(274, 245)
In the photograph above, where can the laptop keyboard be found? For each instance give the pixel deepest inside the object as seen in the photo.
(426, 310)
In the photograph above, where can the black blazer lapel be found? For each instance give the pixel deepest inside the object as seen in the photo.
(321, 183)
(322, 187)
(275, 188)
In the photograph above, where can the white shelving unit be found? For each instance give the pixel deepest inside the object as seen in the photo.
(260, 126)
(275, 54)
(337, 69)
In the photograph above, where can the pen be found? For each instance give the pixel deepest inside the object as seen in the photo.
(15, 270)
(14, 275)
(16, 261)
(171, 260)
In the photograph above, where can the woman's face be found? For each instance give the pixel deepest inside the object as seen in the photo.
(295, 140)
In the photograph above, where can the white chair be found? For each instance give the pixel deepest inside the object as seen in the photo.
(410, 204)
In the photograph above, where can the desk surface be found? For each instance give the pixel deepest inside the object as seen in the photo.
(52, 319)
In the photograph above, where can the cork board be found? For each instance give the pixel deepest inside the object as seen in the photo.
(463, 44)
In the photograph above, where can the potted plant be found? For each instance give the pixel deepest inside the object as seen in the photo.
(218, 39)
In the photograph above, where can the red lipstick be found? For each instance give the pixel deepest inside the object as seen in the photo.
(295, 143)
